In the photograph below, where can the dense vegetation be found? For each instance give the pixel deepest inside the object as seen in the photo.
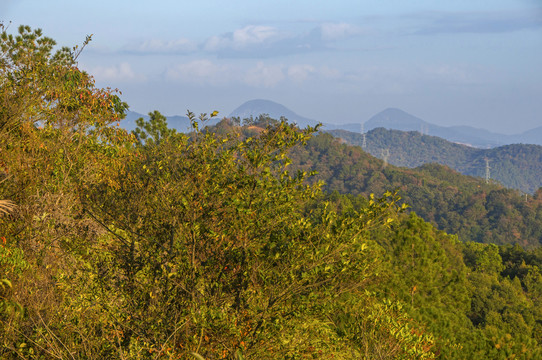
(517, 166)
(458, 204)
(160, 245)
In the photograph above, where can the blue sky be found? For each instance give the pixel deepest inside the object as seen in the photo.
(475, 62)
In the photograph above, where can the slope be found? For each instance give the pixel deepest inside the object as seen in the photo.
(455, 203)
(517, 166)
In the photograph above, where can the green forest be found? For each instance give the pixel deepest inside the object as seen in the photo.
(458, 204)
(517, 166)
(245, 240)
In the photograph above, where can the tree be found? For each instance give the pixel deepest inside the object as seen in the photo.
(154, 130)
(52, 118)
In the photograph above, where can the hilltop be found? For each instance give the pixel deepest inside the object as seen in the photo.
(517, 166)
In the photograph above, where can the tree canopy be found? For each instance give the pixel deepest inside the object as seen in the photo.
(161, 245)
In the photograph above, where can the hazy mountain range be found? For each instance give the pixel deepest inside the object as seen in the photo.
(390, 118)
(406, 140)
(399, 120)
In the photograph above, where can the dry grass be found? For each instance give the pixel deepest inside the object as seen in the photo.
(6, 206)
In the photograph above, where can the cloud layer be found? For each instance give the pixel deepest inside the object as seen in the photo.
(253, 41)
(122, 72)
(259, 74)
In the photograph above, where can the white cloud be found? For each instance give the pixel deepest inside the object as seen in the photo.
(215, 43)
(120, 72)
(300, 73)
(242, 38)
(158, 46)
(253, 34)
(181, 45)
(258, 41)
(207, 72)
(259, 74)
(456, 74)
(329, 73)
(253, 41)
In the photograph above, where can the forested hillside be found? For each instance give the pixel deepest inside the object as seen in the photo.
(517, 166)
(212, 245)
(455, 203)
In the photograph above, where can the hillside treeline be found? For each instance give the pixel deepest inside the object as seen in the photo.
(458, 204)
(517, 166)
(160, 245)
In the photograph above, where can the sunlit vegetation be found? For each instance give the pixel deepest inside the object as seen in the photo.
(219, 244)
(461, 205)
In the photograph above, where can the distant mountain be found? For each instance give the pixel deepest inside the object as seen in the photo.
(533, 136)
(393, 118)
(276, 111)
(517, 166)
(399, 120)
(390, 118)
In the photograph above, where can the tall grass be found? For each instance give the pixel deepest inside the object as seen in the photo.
(6, 206)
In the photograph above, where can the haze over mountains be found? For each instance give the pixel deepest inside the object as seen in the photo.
(390, 118)
(397, 119)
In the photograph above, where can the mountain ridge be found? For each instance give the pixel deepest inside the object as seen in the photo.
(517, 166)
(390, 118)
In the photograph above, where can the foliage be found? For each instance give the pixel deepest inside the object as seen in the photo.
(213, 244)
(516, 166)
(476, 300)
(457, 204)
(51, 119)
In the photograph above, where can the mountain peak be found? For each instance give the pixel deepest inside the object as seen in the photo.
(261, 102)
(275, 110)
(392, 110)
(393, 118)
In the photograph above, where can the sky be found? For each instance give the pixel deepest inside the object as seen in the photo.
(454, 62)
